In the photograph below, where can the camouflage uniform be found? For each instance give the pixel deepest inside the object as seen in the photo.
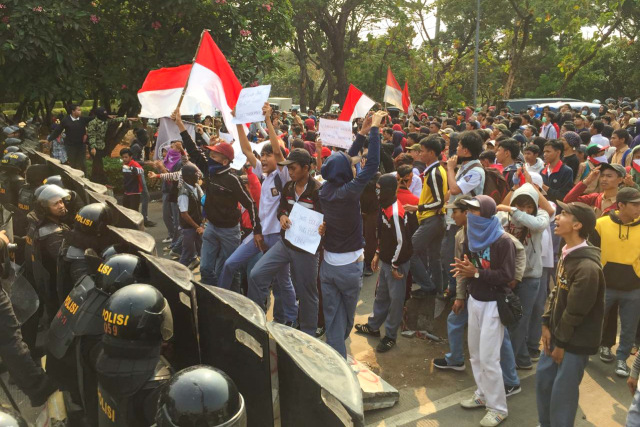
(97, 131)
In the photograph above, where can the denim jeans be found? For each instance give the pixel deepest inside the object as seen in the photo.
(455, 332)
(558, 389)
(527, 291)
(448, 253)
(535, 324)
(340, 291)
(167, 216)
(629, 310)
(191, 244)
(389, 303)
(426, 260)
(633, 417)
(217, 245)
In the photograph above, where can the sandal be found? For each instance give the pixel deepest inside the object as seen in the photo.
(385, 345)
(366, 330)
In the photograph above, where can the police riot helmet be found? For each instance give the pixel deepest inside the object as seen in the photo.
(8, 130)
(110, 251)
(36, 174)
(11, 149)
(11, 418)
(54, 180)
(200, 396)
(47, 194)
(16, 161)
(139, 313)
(12, 141)
(118, 271)
(93, 219)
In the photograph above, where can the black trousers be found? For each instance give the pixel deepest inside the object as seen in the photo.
(369, 226)
(97, 170)
(77, 156)
(131, 201)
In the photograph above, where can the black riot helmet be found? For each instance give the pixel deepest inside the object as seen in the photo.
(137, 313)
(18, 162)
(11, 418)
(36, 174)
(200, 396)
(12, 141)
(11, 149)
(54, 180)
(118, 271)
(93, 219)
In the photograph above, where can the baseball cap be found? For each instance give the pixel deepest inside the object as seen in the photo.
(326, 152)
(502, 127)
(223, 148)
(448, 131)
(415, 147)
(618, 168)
(594, 149)
(459, 203)
(536, 179)
(628, 195)
(583, 213)
(300, 156)
(475, 203)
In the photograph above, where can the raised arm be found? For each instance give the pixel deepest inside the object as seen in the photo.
(196, 155)
(273, 138)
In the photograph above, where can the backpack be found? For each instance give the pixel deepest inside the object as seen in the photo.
(495, 186)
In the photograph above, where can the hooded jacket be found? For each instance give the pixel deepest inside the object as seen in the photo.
(340, 195)
(575, 307)
(527, 229)
(620, 246)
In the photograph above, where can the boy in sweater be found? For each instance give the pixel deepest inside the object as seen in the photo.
(392, 259)
(132, 173)
(572, 322)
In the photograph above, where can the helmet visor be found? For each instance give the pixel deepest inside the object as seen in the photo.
(166, 327)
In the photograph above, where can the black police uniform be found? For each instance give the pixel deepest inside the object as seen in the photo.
(13, 166)
(130, 367)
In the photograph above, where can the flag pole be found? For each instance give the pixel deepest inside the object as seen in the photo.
(184, 90)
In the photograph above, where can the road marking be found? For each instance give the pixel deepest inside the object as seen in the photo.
(429, 408)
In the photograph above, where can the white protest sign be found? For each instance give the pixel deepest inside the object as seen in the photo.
(249, 105)
(336, 133)
(303, 232)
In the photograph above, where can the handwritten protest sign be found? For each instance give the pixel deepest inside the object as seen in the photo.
(303, 232)
(250, 102)
(335, 133)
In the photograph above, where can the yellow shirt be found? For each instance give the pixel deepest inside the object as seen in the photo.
(434, 188)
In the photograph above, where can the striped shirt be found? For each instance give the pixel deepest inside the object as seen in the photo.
(434, 189)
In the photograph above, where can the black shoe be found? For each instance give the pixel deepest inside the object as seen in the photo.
(366, 330)
(367, 271)
(534, 355)
(511, 390)
(148, 223)
(292, 324)
(443, 364)
(385, 345)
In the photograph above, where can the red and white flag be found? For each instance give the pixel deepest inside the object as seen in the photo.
(161, 90)
(393, 92)
(356, 105)
(407, 106)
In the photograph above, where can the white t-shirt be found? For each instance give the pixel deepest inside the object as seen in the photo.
(343, 258)
(270, 198)
(473, 179)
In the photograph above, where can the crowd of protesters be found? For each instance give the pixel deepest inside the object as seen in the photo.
(527, 221)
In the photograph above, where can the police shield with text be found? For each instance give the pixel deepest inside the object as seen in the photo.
(136, 320)
(201, 396)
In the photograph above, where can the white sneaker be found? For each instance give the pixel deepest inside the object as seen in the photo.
(167, 240)
(493, 418)
(473, 402)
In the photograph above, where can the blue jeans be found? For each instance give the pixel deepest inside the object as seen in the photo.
(455, 332)
(426, 268)
(535, 324)
(167, 216)
(389, 303)
(527, 291)
(558, 389)
(633, 417)
(191, 244)
(448, 252)
(629, 311)
(340, 291)
(217, 245)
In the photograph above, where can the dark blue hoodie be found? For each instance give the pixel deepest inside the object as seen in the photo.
(340, 195)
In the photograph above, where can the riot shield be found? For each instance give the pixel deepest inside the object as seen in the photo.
(23, 297)
(122, 217)
(234, 338)
(73, 182)
(316, 385)
(173, 280)
(134, 240)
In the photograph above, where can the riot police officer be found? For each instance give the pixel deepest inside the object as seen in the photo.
(74, 204)
(15, 354)
(89, 232)
(54, 180)
(12, 169)
(11, 149)
(35, 175)
(200, 396)
(76, 331)
(136, 320)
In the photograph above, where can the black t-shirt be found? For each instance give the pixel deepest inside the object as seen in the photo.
(573, 162)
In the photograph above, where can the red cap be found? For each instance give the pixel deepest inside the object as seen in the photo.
(397, 127)
(223, 148)
(326, 152)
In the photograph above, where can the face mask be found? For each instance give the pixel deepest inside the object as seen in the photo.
(599, 159)
(214, 166)
(387, 191)
(636, 165)
(544, 120)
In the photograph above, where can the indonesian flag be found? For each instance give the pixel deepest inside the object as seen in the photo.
(407, 106)
(161, 92)
(356, 105)
(393, 92)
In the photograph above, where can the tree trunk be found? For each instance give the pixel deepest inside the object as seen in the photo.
(301, 53)
(20, 111)
(316, 96)
(331, 88)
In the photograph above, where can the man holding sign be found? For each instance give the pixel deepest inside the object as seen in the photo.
(303, 191)
(341, 269)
